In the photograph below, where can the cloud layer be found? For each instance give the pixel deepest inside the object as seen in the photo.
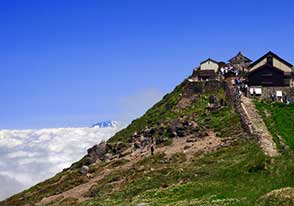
(31, 156)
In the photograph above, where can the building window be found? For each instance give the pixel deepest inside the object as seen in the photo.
(266, 83)
(270, 60)
(267, 75)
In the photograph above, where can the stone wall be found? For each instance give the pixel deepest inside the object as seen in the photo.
(234, 100)
(268, 91)
(198, 87)
(232, 97)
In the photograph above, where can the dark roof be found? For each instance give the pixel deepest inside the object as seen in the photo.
(265, 66)
(209, 59)
(270, 53)
(240, 58)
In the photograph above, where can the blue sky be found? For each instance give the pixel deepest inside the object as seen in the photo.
(67, 63)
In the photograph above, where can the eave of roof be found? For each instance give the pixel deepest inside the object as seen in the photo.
(242, 55)
(266, 66)
(270, 53)
(209, 59)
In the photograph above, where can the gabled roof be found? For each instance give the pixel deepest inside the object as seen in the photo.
(209, 59)
(240, 58)
(270, 53)
(265, 66)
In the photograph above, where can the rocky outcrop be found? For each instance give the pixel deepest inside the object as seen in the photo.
(279, 197)
(104, 151)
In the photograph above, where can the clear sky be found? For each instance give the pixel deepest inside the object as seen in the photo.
(70, 63)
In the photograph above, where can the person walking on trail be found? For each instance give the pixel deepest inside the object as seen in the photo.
(152, 149)
(142, 145)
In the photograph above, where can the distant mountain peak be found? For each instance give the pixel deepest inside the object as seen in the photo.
(105, 124)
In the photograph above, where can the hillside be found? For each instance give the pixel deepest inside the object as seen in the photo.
(202, 157)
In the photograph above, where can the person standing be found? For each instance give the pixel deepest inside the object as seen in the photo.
(152, 149)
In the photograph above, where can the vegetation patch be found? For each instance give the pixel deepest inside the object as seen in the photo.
(235, 175)
(279, 118)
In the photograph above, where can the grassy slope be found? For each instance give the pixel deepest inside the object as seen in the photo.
(279, 119)
(235, 175)
(165, 110)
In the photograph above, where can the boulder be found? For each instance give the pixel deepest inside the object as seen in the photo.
(171, 132)
(84, 169)
(116, 148)
(100, 150)
(181, 131)
(96, 152)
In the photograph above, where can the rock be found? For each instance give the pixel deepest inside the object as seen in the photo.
(116, 148)
(108, 157)
(123, 154)
(84, 169)
(89, 175)
(101, 150)
(152, 131)
(181, 131)
(187, 147)
(88, 160)
(161, 131)
(190, 140)
(142, 204)
(96, 152)
(171, 132)
(278, 197)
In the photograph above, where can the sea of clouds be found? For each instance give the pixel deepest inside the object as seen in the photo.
(30, 156)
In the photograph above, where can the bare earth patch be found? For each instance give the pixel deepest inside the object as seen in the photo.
(207, 144)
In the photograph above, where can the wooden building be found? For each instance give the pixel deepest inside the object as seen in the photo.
(240, 62)
(207, 71)
(271, 76)
(209, 64)
(270, 71)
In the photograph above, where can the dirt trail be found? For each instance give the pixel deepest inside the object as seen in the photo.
(259, 128)
(206, 144)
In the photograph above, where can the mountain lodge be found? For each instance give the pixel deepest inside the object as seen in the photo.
(267, 77)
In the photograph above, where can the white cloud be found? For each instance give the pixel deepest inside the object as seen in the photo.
(31, 156)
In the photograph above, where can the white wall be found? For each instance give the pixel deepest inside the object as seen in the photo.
(209, 65)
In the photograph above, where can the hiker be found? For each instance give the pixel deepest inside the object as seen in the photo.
(222, 102)
(240, 93)
(152, 149)
(142, 145)
(285, 99)
(133, 146)
(222, 71)
(273, 97)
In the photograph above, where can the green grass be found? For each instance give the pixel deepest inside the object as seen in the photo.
(279, 119)
(225, 121)
(236, 175)
(167, 109)
(161, 111)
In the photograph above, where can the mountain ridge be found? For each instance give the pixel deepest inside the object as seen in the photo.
(203, 156)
